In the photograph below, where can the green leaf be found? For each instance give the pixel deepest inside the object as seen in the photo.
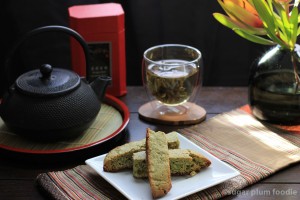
(230, 23)
(283, 37)
(275, 38)
(278, 21)
(270, 4)
(253, 38)
(294, 25)
(284, 19)
(266, 15)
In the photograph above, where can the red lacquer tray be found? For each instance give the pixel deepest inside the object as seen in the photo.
(103, 135)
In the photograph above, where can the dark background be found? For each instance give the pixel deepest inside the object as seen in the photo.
(226, 56)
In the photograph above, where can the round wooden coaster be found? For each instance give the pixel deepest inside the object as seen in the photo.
(195, 114)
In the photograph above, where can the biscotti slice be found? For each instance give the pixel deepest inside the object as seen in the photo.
(187, 161)
(157, 156)
(121, 157)
(182, 162)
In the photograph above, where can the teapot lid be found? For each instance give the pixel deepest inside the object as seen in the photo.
(47, 81)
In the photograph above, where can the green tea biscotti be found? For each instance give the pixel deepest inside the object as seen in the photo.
(121, 157)
(182, 162)
(157, 156)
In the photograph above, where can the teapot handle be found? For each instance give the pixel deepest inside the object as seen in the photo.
(52, 28)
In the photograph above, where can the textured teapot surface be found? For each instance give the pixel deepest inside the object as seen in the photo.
(51, 103)
(62, 116)
(47, 81)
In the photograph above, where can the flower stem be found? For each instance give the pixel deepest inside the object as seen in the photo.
(297, 78)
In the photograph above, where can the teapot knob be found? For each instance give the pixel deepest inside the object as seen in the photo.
(46, 70)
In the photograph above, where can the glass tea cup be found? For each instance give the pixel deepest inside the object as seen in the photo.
(171, 76)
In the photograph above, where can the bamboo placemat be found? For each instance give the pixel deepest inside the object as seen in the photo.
(234, 137)
(108, 120)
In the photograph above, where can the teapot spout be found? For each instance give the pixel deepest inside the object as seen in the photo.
(99, 86)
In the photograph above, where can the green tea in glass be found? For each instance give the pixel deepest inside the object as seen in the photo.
(171, 76)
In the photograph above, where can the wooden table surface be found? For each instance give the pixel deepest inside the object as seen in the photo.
(17, 178)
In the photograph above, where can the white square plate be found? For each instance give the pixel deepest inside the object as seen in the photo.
(182, 186)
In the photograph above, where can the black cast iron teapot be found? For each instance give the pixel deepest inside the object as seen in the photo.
(52, 103)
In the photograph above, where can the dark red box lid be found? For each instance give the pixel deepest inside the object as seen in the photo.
(106, 17)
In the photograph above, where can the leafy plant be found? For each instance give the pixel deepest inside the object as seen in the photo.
(266, 22)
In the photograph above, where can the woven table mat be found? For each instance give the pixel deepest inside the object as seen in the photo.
(235, 137)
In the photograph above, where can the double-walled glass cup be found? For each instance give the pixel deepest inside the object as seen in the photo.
(172, 76)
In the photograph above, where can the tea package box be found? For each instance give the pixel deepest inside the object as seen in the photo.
(102, 27)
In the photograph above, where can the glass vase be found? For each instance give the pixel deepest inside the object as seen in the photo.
(274, 94)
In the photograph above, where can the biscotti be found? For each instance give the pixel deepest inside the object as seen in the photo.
(157, 156)
(121, 157)
(182, 162)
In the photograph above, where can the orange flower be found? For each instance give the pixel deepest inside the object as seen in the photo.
(242, 12)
